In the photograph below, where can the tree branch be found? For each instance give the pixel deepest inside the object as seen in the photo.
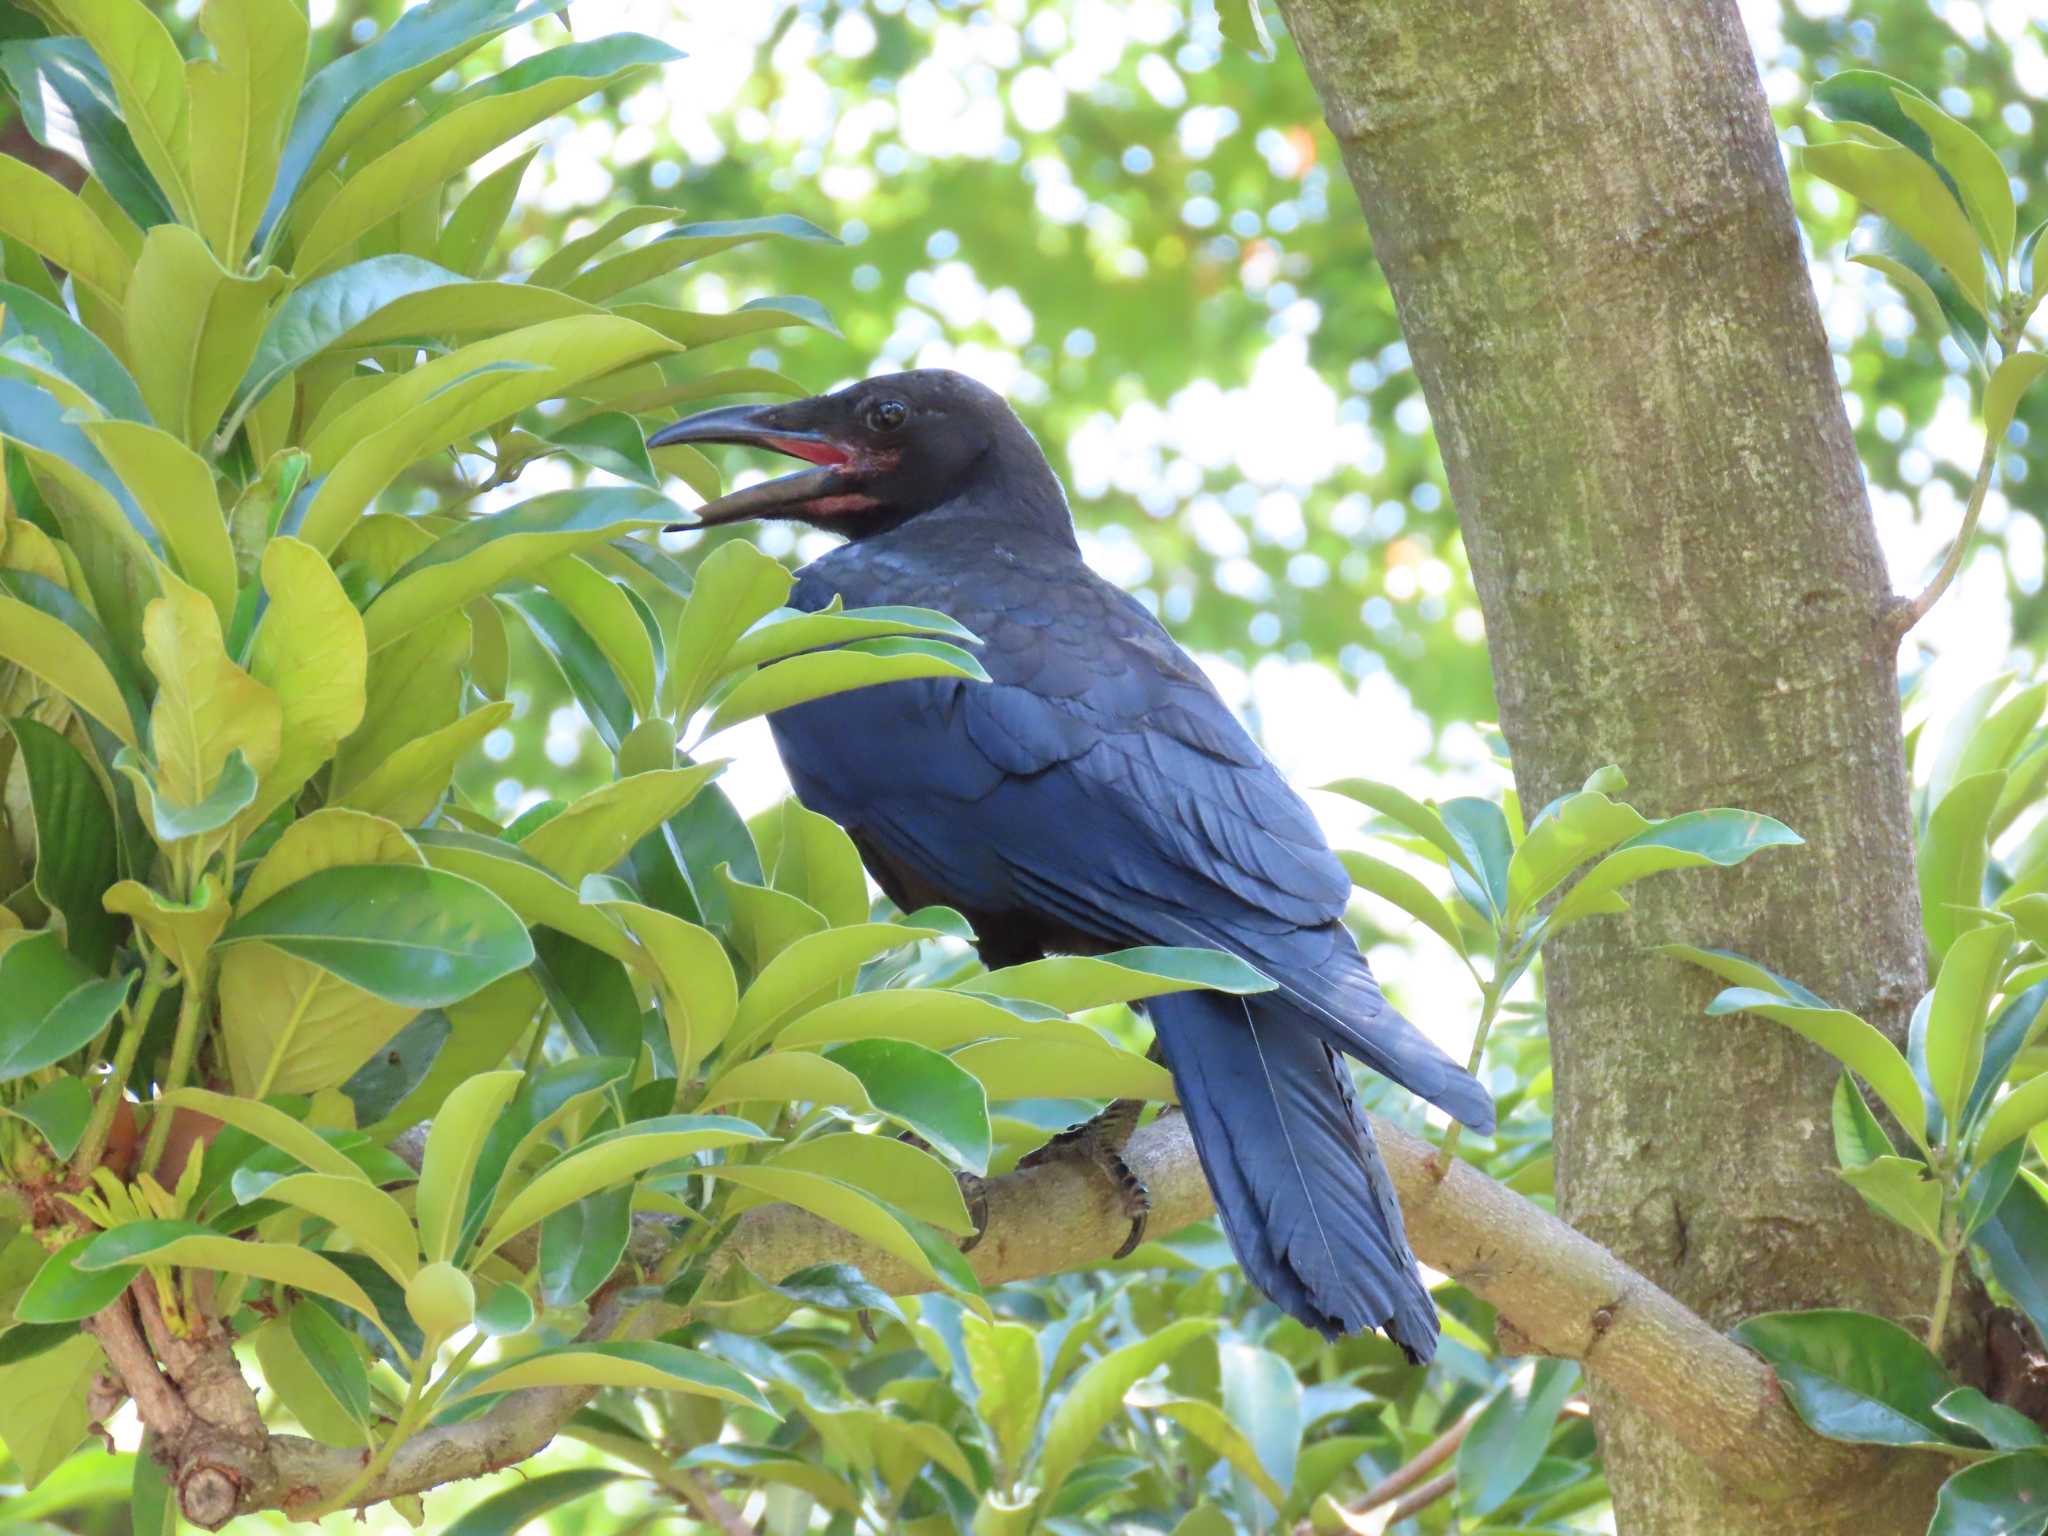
(1561, 1291)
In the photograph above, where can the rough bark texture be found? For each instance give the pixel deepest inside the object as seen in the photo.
(1581, 210)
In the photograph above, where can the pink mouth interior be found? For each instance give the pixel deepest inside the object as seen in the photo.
(813, 452)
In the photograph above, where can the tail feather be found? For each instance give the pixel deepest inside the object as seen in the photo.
(1305, 1199)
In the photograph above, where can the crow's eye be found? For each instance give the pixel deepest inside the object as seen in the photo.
(886, 415)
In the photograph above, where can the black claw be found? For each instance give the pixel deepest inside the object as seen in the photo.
(974, 1190)
(1098, 1144)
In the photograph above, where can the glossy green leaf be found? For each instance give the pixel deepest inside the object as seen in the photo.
(63, 1292)
(68, 104)
(1859, 1139)
(1003, 1361)
(58, 1110)
(646, 1365)
(417, 936)
(54, 1004)
(1742, 972)
(1952, 857)
(787, 631)
(43, 1406)
(736, 586)
(925, 1092)
(1405, 810)
(524, 884)
(45, 216)
(169, 821)
(1097, 1396)
(2005, 1496)
(611, 1160)
(460, 136)
(840, 1204)
(1071, 983)
(1392, 883)
(909, 1178)
(504, 1311)
(1034, 1066)
(242, 102)
(1853, 1376)
(268, 1124)
(598, 829)
(1244, 26)
(812, 970)
(73, 351)
(148, 74)
(510, 1510)
(859, 664)
(1507, 1440)
(1958, 1017)
(335, 1358)
(1899, 1188)
(1695, 840)
(2009, 381)
(1574, 829)
(189, 1245)
(1975, 169)
(454, 1143)
(1896, 183)
(1847, 1038)
(581, 1244)
(75, 859)
(483, 554)
(373, 1221)
(474, 226)
(2003, 1428)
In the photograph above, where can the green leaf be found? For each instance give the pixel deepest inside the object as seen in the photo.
(509, 1510)
(62, 1292)
(1847, 1038)
(268, 1124)
(524, 884)
(675, 248)
(581, 1244)
(648, 1366)
(1952, 857)
(838, 1203)
(1097, 1396)
(1852, 1376)
(1572, 830)
(699, 993)
(462, 135)
(58, 1110)
(170, 822)
(174, 488)
(924, 1092)
(1035, 1066)
(74, 839)
(334, 1356)
(818, 864)
(2010, 380)
(43, 1406)
(1405, 810)
(374, 1221)
(54, 1004)
(2005, 1496)
(473, 228)
(47, 218)
(1899, 1188)
(192, 1246)
(2003, 1428)
(1481, 832)
(242, 104)
(1695, 840)
(2013, 1116)
(609, 440)
(73, 351)
(1859, 1139)
(598, 830)
(327, 312)
(931, 1017)
(1003, 1361)
(1979, 178)
(1245, 27)
(1957, 1018)
(1258, 1430)
(1508, 1438)
(859, 664)
(1742, 971)
(811, 970)
(611, 1160)
(149, 79)
(1892, 181)
(1392, 883)
(505, 1312)
(736, 586)
(787, 631)
(454, 1143)
(909, 1178)
(417, 936)
(192, 328)
(1072, 983)
(47, 631)
(68, 104)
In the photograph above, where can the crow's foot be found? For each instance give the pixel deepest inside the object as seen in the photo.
(1099, 1144)
(973, 1190)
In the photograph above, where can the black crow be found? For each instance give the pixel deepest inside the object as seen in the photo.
(1097, 793)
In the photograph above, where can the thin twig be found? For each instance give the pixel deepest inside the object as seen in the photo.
(1422, 1497)
(1909, 614)
(1412, 1471)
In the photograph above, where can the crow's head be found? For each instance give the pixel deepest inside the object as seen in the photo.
(882, 451)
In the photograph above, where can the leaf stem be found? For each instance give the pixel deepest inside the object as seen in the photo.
(184, 1051)
(134, 1025)
(1951, 1250)
(1916, 610)
(1490, 998)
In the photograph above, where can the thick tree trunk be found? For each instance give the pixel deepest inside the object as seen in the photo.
(1581, 210)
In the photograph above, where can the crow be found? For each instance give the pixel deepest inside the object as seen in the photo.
(1097, 793)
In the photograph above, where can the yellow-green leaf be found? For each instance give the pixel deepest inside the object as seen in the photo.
(243, 101)
(1029, 1067)
(287, 1133)
(837, 1203)
(2011, 380)
(193, 1247)
(1893, 181)
(811, 969)
(597, 830)
(192, 328)
(46, 217)
(206, 706)
(908, 1177)
(1979, 175)
(174, 487)
(736, 586)
(183, 931)
(373, 1220)
(409, 783)
(699, 995)
(449, 1162)
(149, 80)
(310, 652)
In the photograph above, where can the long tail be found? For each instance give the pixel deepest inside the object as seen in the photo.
(1304, 1197)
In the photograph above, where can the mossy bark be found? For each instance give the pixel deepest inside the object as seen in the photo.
(1581, 210)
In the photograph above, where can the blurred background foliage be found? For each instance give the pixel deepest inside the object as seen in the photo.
(1146, 239)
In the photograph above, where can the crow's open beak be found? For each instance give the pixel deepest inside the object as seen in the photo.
(818, 492)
